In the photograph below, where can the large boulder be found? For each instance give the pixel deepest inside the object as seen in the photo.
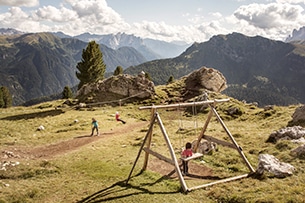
(298, 117)
(115, 89)
(272, 165)
(206, 78)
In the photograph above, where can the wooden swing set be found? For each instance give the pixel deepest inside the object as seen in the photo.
(155, 117)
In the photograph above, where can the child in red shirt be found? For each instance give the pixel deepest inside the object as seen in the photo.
(117, 117)
(187, 152)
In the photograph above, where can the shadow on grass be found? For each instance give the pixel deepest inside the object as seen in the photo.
(42, 114)
(113, 192)
(203, 177)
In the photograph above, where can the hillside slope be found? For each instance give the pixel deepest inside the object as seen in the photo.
(255, 63)
(41, 64)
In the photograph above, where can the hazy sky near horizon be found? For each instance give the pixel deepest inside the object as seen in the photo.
(168, 20)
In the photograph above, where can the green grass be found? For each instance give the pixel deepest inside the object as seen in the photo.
(97, 172)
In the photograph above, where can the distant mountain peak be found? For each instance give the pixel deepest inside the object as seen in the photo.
(9, 31)
(297, 35)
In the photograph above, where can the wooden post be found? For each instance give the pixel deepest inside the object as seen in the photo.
(203, 129)
(171, 150)
(152, 120)
(239, 149)
(141, 148)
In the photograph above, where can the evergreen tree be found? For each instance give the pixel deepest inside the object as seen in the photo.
(147, 76)
(170, 79)
(67, 93)
(92, 67)
(1, 99)
(7, 97)
(118, 70)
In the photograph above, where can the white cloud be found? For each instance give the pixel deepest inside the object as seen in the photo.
(269, 15)
(53, 14)
(291, 1)
(273, 20)
(28, 3)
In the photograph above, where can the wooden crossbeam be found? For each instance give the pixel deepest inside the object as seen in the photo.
(184, 104)
(159, 156)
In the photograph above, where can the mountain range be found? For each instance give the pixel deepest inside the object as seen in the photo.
(257, 69)
(41, 64)
(35, 65)
(151, 49)
(297, 35)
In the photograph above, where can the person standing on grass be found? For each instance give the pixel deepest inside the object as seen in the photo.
(187, 152)
(117, 117)
(94, 127)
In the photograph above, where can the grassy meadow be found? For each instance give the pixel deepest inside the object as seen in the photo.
(97, 171)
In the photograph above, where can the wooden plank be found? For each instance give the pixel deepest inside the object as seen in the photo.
(218, 181)
(184, 104)
(194, 156)
(159, 156)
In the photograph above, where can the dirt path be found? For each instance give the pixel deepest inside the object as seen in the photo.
(55, 149)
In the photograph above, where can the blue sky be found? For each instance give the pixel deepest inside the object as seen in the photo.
(168, 20)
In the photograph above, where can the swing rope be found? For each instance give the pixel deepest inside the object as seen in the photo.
(194, 110)
(180, 126)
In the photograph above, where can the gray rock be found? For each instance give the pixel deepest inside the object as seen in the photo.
(288, 133)
(118, 88)
(299, 152)
(272, 165)
(298, 117)
(206, 78)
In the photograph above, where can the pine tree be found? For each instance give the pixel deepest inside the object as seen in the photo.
(147, 76)
(67, 93)
(92, 67)
(1, 99)
(118, 70)
(7, 97)
(170, 79)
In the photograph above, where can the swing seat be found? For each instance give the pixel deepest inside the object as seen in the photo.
(194, 156)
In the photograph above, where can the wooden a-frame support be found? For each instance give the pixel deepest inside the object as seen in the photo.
(173, 159)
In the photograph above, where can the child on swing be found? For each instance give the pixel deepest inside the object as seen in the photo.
(117, 118)
(187, 152)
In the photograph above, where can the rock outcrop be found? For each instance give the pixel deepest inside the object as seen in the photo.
(272, 165)
(203, 79)
(115, 89)
(207, 78)
(288, 133)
